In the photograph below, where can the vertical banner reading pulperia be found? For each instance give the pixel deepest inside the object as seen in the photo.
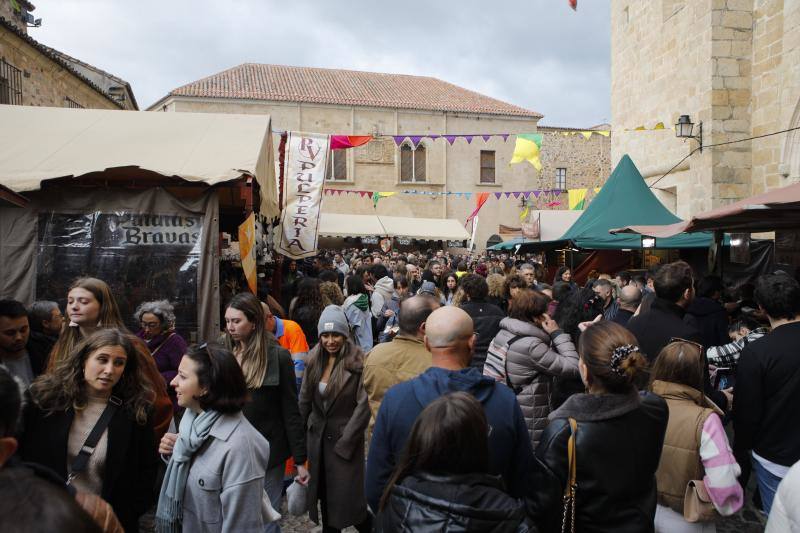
(305, 163)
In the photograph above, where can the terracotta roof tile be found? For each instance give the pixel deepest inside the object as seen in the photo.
(346, 87)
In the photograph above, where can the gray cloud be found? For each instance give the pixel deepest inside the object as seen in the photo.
(537, 54)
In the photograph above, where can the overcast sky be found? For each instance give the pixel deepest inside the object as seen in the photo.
(537, 54)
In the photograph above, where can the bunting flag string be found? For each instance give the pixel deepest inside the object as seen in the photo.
(658, 126)
(450, 138)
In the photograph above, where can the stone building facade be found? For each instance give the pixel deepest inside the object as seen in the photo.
(733, 65)
(573, 160)
(384, 105)
(34, 74)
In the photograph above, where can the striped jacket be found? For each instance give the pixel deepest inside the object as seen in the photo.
(727, 355)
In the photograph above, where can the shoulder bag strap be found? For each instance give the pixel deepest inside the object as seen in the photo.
(572, 485)
(153, 353)
(514, 339)
(82, 459)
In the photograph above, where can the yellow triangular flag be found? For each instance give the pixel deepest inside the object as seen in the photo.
(659, 126)
(604, 133)
(586, 134)
(639, 128)
(576, 198)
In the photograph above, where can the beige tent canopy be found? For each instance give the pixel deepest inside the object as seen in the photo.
(41, 143)
(344, 225)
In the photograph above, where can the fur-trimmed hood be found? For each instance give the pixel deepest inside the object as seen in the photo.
(594, 407)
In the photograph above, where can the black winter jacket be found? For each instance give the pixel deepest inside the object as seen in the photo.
(274, 412)
(619, 441)
(486, 318)
(460, 503)
(131, 458)
(711, 319)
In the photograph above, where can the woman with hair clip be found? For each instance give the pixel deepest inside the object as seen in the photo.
(88, 420)
(90, 306)
(617, 435)
(269, 373)
(695, 447)
(334, 406)
(442, 480)
(215, 475)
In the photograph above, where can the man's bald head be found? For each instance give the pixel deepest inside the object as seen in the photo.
(414, 312)
(447, 327)
(630, 297)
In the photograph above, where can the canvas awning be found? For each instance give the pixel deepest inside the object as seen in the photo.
(773, 210)
(624, 199)
(434, 229)
(345, 225)
(41, 143)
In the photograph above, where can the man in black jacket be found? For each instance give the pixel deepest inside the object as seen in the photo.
(484, 315)
(766, 420)
(674, 287)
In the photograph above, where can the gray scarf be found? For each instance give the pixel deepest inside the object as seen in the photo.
(193, 432)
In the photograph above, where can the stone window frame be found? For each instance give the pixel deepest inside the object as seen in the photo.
(420, 147)
(561, 180)
(483, 167)
(10, 83)
(330, 167)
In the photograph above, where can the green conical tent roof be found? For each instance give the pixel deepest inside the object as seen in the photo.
(625, 200)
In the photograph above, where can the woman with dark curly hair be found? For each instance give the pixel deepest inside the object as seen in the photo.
(307, 307)
(100, 382)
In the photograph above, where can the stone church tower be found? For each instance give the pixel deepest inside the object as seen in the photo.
(733, 65)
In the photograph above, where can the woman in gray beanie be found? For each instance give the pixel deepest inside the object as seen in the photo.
(333, 404)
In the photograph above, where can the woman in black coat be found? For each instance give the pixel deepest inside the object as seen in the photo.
(619, 437)
(442, 483)
(64, 406)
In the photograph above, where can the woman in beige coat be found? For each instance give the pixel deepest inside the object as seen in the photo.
(334, 406)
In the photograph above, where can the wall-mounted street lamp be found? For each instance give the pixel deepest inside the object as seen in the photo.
(684, 127)
(648, 242)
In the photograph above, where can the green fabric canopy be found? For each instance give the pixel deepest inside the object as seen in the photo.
(625, 200)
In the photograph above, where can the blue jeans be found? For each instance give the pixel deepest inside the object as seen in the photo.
(767, 485)
(273, 484)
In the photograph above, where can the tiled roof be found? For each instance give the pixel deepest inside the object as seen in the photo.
(51, 53)
(346, 87)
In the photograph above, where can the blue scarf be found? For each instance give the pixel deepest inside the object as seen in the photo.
(193, 432)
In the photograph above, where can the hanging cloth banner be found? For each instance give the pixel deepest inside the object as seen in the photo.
(247, 251)
(378, 195)
(573, 4)
(341, 142)
(306, 160)
(577, 197)
(528, 147)
(479, 201)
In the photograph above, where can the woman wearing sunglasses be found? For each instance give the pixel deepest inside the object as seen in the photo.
(695, 446)
(215, 475)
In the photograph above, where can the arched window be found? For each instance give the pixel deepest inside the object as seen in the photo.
(412, 163)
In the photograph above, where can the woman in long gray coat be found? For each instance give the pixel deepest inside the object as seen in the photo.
(537, 352)
(333, 404)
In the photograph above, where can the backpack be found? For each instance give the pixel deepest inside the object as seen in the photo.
(495, 366)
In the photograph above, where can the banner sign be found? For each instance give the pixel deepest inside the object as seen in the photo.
(305, 164)
(247, 251)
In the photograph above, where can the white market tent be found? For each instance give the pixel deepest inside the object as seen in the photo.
(346, 225)
(41, 143)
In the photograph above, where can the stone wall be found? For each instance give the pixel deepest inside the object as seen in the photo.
(588, 161)
(11, 15)
(732, 64)
(44, 82)
(455, 168)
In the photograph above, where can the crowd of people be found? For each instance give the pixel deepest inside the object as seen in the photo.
(408, 392)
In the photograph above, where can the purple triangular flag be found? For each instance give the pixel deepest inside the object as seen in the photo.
(504, 136)
(507, 194)
(498, 195)
(516, 194)
(398, 139)
(434, 136)
(468, 138)
(415, 139)
(486, 137)
(527, 194)
(537, 193)
(450, 138)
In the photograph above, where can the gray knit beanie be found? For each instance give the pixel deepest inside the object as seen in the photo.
(333, 320)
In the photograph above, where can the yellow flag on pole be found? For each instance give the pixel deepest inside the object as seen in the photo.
(528, 148)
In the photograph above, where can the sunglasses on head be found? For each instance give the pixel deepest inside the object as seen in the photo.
(687, 341)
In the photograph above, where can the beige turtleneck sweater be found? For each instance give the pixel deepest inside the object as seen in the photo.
(91, 479)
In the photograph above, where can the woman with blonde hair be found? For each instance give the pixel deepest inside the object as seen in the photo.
(331, 294)
(269, 373)
(695, 446)
(497, 291)
(100, 386)
(91, 306)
